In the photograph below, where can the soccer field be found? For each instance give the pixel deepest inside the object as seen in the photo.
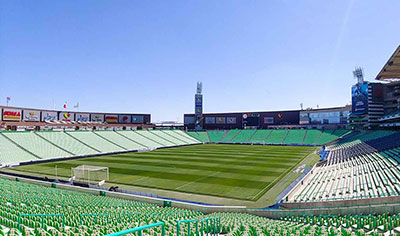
(233, 171)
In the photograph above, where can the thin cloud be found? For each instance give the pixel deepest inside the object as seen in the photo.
(341, 34)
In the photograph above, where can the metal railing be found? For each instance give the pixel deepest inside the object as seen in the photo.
(140, 229)
(41, 215)
(95, 217)
(178, 226)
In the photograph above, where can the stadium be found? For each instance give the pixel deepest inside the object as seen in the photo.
(328, 171)
(104, 131)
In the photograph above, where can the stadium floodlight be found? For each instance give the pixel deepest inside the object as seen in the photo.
(199, 87)
(358, 73)
(86, 173)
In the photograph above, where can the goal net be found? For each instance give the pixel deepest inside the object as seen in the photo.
(90, 174)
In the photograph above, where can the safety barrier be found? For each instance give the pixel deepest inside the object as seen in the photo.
(41, 215)
(140, 229)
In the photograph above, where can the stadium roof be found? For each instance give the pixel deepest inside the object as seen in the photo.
(391, 70)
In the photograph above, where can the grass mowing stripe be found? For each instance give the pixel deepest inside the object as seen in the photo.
(271, 171)
(233, 171)
(258, 195)
(183, 162)
(186, 176)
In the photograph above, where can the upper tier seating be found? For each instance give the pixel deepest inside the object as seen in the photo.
(93, 215)
(364, 167)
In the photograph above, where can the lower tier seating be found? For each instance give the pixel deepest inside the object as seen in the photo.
(269, 136)
(364, 167)
(16, 147)
(33, 210)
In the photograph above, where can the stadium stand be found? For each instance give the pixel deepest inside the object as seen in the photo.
(182, 136)
(36, 145)
(295, 136)
(68, 143)
(27, 209)
(216, 135)
(12, 153)
(120, 140)
(269, 136)
(95, 141)
(156, 138)
(28, 146)
(244, 136)
(169, 138)
(277, 136)
(311, 136)
(230, 135)
(363, 137)
(366, 165)
(135, 136)
(260, 136)
(329, 135)
(16, 147)
(201, 136)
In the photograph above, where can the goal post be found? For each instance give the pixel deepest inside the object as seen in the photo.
(90, 174)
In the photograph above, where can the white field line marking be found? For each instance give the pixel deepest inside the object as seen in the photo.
(275, 181)
(204, 177)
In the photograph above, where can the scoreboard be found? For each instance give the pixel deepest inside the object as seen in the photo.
(251, 119)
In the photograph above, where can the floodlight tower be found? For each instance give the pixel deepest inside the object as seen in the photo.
(358, 73)
(198, 107)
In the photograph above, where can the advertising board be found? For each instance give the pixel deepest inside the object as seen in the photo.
(124, 119)
(359, 99)
(112, 119)
(220, 120)
(96, 117)
(66, 116)
(49, 115)
(31, 115)
(82, 117)
(198, 104)
(136, 119)
(12, 114)
(210, 120)
(189, 119)
(231, 120)
(268, 120)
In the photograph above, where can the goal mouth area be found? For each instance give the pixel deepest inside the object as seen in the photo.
(90, 174)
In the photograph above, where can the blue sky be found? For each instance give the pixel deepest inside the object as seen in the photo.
(146, 56)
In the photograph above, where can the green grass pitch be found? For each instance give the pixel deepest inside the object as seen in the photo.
(233, 171)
